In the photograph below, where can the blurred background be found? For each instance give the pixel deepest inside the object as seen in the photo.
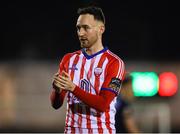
(36, 34)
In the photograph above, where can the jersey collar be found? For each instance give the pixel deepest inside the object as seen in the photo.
(91, 56)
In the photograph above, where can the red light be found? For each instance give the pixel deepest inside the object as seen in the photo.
(168, 84)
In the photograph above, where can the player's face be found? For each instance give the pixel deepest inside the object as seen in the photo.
(87, 30)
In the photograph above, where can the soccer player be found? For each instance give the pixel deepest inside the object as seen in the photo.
(91, 78)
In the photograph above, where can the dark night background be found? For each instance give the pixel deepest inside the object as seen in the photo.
(45, 30)
(36, 34)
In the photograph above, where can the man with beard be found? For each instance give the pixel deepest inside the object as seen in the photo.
(91, 78)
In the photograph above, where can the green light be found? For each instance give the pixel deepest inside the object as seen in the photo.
(144, 83)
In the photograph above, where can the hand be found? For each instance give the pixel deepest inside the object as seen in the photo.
(64, 82)
(55, 83)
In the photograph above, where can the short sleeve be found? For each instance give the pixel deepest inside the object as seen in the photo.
(114, 76)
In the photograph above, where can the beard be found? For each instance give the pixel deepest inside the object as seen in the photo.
(84, 43)
(88, 43)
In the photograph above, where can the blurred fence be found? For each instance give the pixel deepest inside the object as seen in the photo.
(25, 105)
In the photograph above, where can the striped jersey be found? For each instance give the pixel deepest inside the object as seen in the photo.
(92, 74)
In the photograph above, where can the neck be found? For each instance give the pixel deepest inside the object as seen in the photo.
(94, 48)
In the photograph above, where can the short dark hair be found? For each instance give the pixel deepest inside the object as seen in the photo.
(93, 10)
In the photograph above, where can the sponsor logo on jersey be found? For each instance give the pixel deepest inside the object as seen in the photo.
(98, 71)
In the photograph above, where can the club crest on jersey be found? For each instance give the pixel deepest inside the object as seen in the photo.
(73, 67)
(98, 71)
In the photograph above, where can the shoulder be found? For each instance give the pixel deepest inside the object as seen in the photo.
(113, 58)
(69, 55)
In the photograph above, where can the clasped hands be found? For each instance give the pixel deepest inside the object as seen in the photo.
(63, 82)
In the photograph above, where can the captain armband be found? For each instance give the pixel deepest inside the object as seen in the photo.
(115, 85)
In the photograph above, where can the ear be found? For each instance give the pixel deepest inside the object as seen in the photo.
(102, 29)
